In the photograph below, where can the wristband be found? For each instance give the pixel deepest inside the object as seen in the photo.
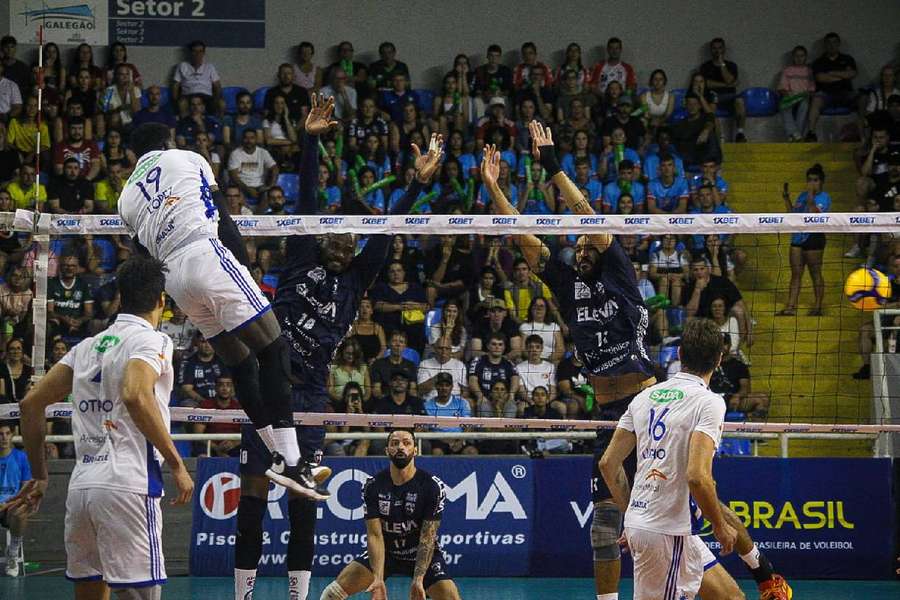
(549, 160)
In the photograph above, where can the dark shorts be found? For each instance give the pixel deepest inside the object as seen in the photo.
(725, 101)
(255, 457)
(611, 411)
(842, 99)
(815, 241)
(437, 570)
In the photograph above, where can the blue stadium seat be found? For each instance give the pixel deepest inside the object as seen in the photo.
(165, 97)
(680, 113)
(259, 99)
(837, 111)
(290, 183)
(432, 317)
(425, 100)
(409, 354)
(760, 102)
(736, 447)
(108, 254)
(666, 355)
(229, 95)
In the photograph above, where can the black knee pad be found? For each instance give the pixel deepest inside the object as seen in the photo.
(275, 382)
(248, 547)
(246, 383)
(301, 546)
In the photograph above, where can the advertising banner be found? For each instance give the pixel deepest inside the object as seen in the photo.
(64, 21)
(507, 517)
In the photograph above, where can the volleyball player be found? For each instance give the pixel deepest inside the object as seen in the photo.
(608, 322)
(174, 208)
(402, 507)
(318, 296)
(120, 381)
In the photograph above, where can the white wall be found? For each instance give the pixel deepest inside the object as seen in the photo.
(670, 35)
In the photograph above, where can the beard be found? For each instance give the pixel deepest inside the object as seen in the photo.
(401, 460)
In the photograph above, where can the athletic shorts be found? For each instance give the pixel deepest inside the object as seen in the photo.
(611, 411)
(667, 567)
(215, 291)
(115, 537)
(437, 570)
(255, 457)
(813, 241)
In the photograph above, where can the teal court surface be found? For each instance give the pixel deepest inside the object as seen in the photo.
(37, 587)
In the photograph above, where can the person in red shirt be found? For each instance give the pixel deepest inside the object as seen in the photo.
(521, 76)
(223, 400)
(614, 69)
(86, 152)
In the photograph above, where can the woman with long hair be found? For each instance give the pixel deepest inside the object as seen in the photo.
(306, 73)
(15, 372)
(279, 133)
(54, 70)
(348, 365)
(541, 323)
(84, 59)
(410, 257)
(114, 150)
(450, 326)
(659, 102)
(573, 63)
(118, 55)
(451, 107)
(400, 134)
(368, 333)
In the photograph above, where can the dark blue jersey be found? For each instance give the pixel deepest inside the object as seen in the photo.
(403, 509)
(606, 316)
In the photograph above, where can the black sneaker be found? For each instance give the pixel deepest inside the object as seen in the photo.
(811, 137)
(298, 478)
(865, 372)
(740, 138)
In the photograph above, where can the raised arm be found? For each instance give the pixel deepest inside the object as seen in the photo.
(318, 121)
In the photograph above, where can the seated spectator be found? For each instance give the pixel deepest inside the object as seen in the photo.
(351, 403)
(383, 71)
(343, 93)
(404, 132)
(118, 56)
(279, 133)
(16, 71)
(115, 151)
(9, 159)
(540, 407)
(70, 306)
(348, 365)
(155, 111)
(395, 361)
(10, 98)
(703, 287)
(22, 190)
(451, 191)
(493, 79)
(657, 101)
(632, 126)
(498, 322)
(572, 87)
(85, 95)
(15, 303)
(709, 175)
(368, 333)
(182, 333)
(614, 69)
(578, 120)
(198, 374)
(693, 136)
(108, 190)
(188, 127)
(295, 96)
(625, 186)
(234, 126)
(636, 247)
(727, 323)
(373, 201)
(506, 183)
(866, 339)
(442, 362)
(481, 295)
(401, 305)
(204, 147)
(874, 103)
(121, 100)
(449, 268)
(397, 399)
(329, 193)
(522, 75)
(397, 97)
(223, 400)
(450, 329)
(667, 269)
(722, 78)
(834, 73)
(536, 371)
(494, 254)
(367, 122)
(731, 379)
(307, 74)
(490, 367)
(589, 186)
(71, 194)
(106, 298)
(706, 204)
(569, 377)
(614, 155)
(650, 167)
(795, 87)
(84, 59)
(86, 153)
(573, 62)
(498, 405)
(252, 169)
(495, 118)
(15, 372)
(196, 77)
(357, 72)
(538, 196)
(522, 289)
(452, 108)
(446, 404)
(522, 144)
(669, 193)
(540, 322)
(407, 253)
(580, 150)
(538, 87)
(22, 133)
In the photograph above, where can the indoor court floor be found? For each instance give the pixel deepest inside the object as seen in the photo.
(200, 588)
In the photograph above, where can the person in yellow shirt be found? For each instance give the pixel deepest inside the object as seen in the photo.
(22, 189)
(523, 287)
(22, 134)
(106, 191)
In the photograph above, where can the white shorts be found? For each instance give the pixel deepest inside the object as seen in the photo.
(115, 537)
(667, 567)
(215, 291)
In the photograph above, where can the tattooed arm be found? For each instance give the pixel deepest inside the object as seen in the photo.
(427, 543)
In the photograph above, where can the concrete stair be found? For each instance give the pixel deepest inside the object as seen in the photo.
(803, 362)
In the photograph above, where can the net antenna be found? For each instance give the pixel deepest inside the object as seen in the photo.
(40, 236)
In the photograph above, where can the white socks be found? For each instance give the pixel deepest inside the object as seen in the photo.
(285, 441)
(298, 582)
(244, 581)
(608, 596)
(751, 558)
(265, 434)
(15, 544)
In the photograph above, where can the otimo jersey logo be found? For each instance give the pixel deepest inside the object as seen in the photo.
(105, 343)
(666, 396)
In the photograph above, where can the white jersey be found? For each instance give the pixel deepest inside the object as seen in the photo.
(127, 461)
(167, 202)
(89, 413)
(663, 417)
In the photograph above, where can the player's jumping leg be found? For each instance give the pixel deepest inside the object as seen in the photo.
(605, 527)
(771, 585)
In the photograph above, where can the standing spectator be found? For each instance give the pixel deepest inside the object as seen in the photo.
(343, 93)
(535, 370)
(367, 122)
(383, 71)
(199, 373)
(522, 75)
(71, 193)
(722, 77)
(223, 399)
(625, 186)
(660, 104)
(10, 97)
(155, 111)
(493, 78)
(22, 133)
(70, 306)
(15, 470)
(807, 249)
(449, 268)
(632, 126)
(357, 72)
(23, 190)
(107, 191)
(442, 362)
(86, 153)
(307, 74)
(667, 269)
(15, 372)
(395, 361)
(236, 125)
(795, 87)
(613, 69)
(121, 100)
(401, 305)
(196, 77)
(490, 367)
(498, 322)
(669, 193)
(84, 59)
(188, 127)
(279, 133)
(252, 168)
(524, 287)
(834, 74)
(368, 333)
(118, 55)
(446, 404)
(693, 136)
(14, 69)
(573, 63)
(296, 96)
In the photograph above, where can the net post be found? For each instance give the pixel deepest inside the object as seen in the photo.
(783, 440)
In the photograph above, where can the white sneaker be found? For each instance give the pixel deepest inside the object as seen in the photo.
(12, 564)
(853, 252)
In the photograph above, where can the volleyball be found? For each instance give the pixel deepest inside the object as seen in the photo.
(867, 289)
